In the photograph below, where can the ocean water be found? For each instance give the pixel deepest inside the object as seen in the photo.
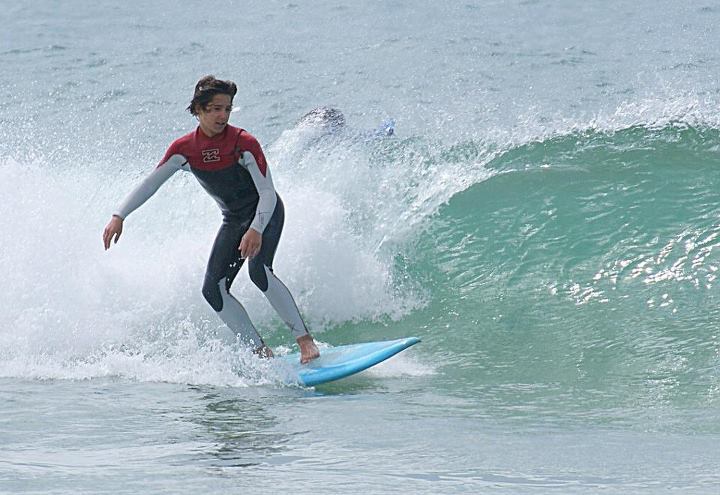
(546, 218)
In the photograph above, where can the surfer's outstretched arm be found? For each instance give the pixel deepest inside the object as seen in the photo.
(140, 194)
(150, 185)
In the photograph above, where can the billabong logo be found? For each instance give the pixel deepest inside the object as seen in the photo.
(211, 155)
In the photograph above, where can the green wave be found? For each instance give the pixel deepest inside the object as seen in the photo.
(587, 265)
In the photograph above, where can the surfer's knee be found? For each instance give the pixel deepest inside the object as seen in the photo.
(259, 275)
(212, 292)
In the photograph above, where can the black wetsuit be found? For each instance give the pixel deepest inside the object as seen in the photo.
(232, 168)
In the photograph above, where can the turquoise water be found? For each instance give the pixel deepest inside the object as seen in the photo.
(545, 219)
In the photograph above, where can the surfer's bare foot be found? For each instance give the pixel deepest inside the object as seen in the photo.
(264, 352)
(308, 349)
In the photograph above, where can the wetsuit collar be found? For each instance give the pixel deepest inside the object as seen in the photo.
(216, 136)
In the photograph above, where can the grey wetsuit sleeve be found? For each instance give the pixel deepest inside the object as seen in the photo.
(150, 185)
(266, 191)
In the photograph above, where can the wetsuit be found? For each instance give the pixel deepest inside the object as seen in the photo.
(232, 168)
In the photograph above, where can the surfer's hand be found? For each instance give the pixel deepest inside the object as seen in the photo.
(113, 228)
(250, 243)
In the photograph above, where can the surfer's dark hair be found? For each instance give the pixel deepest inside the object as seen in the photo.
(206, 88)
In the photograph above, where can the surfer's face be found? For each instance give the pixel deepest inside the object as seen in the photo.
(214, 117)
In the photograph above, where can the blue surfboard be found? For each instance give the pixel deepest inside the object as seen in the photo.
(345, 360)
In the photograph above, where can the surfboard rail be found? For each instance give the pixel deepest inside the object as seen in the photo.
(339, 362)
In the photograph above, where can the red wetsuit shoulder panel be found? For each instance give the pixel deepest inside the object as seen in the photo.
(207, 153)
(247, 142)
(215, 163)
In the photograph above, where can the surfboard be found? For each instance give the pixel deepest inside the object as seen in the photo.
(342, 361)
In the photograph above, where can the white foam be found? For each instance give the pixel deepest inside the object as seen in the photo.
(658, 109)
(66, 302)
(403, 364)
(68, 306)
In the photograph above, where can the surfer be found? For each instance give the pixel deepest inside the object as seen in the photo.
(329, 119)
(230, 165)
(329, 122)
